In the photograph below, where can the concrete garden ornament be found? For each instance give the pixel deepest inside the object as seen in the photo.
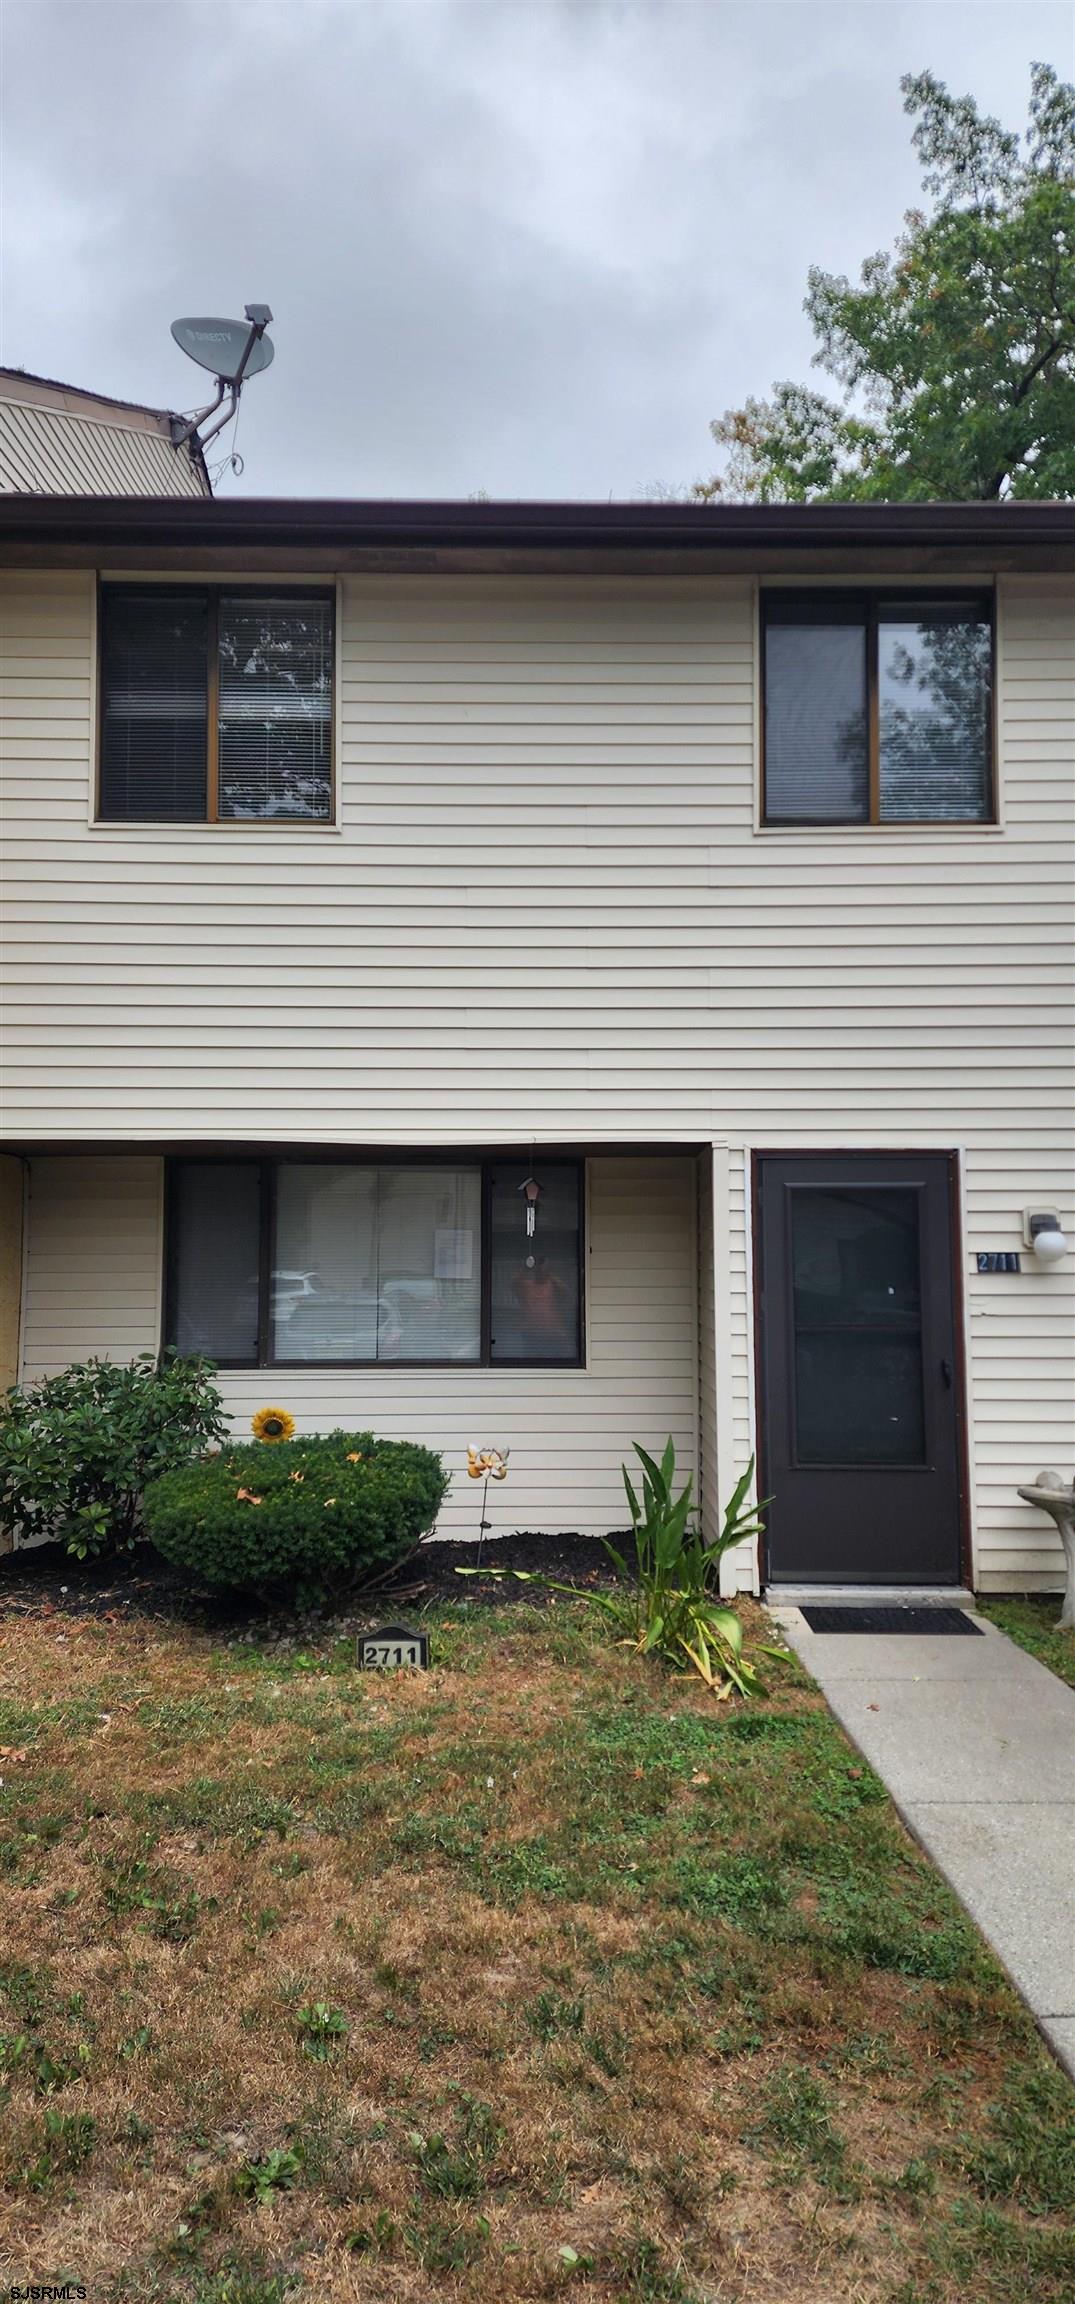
(1051, 1495)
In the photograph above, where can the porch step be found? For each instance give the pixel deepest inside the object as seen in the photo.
(867, 1596)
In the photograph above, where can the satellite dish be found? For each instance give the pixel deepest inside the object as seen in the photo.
(219, 345)
(232, 350)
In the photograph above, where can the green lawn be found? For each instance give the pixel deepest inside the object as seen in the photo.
(1032, 1623)
(542, 1976)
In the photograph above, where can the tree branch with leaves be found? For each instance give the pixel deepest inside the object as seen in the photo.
(956, 351)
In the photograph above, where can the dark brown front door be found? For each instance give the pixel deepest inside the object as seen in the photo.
(860, 1413)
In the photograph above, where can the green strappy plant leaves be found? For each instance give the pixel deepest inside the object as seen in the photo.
(668, 1602)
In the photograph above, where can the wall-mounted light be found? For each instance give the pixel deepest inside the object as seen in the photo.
(1042, 1233)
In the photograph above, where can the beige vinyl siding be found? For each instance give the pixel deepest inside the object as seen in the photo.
(93, 1264)
(95, 1267)
(547, 915)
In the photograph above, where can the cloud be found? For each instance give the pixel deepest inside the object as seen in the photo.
(526, 248)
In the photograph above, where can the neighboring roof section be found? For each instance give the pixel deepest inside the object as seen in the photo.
(56, 440)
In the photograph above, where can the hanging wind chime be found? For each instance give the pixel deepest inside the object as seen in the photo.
(532, 1192)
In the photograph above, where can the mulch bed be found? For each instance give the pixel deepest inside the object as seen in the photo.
(144, 1585)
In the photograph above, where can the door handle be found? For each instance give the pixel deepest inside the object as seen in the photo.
(946, 1372)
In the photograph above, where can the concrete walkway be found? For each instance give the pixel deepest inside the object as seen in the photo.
(976, 1743)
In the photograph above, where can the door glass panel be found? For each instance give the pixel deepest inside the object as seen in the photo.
(857, 1326)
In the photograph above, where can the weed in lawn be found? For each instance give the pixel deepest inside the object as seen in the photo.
(217, 1810)
(783, 1728)
(869, 2052)
(978, 2254)
(258, 2180)
(797, 2119)
(130, 1883)
(67, 2140)
(378, 2238)
(909, 1927)
(735, 1886)
(549, 2015)
(458, 1837)
(642, 2278)
(241, 2283)
(525, 1868)
(918, 2180)
(1028, 2154)
(321, 2029)
(443, 2246)
(22, 1724)
(457, 2166)
(29, 1992)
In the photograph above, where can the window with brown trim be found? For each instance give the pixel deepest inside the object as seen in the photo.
(216, 704)
(878, 708)
(328, 1262)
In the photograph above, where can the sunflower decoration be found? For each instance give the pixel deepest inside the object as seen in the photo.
(272, 1424)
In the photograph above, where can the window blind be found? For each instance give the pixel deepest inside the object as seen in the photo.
(934, 696)
(154, 710)
(275, 706)
(816, 748)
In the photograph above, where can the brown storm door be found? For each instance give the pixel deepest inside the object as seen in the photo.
(860, 1411)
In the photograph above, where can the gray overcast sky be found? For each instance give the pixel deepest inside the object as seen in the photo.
(525, 246)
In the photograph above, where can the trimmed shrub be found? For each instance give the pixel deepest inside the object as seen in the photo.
(77, 1450)
(338, 1508)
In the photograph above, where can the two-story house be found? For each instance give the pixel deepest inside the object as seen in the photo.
(557, 975)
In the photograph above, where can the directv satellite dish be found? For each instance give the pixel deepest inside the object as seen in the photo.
(232, 350)
(219, 345)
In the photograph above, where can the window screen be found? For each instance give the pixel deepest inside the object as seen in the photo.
(153, 713)
(816, 754)
(275, 708)
(877, 710)
(215, 1234)
(933, 700)
(215, 705)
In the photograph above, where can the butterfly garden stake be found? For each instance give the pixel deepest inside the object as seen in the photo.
(486, 1464)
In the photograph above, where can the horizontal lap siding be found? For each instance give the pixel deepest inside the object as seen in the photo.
(547, 915)
(534, 781)
(94, 1269)
(917, 991)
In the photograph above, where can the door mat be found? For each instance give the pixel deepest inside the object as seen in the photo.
(897, 1619)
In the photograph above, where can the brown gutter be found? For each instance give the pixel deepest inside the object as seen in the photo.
(363, 525)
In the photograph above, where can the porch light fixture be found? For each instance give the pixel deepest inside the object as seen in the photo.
(1042, 1233)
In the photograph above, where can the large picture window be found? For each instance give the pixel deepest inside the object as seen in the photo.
(216, 705)
(878, 708)
(281, 1263)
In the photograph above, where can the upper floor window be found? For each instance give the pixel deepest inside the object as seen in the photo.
(216, 705)
(878, 708)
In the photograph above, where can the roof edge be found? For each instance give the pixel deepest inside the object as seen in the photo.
(372, 523)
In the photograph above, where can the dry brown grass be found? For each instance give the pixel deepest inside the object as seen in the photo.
(673, 1989)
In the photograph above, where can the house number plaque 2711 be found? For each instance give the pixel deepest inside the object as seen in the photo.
(393, 1649)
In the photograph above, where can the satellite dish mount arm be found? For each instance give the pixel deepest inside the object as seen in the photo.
(259, 317)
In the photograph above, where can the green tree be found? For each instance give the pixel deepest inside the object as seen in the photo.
(956, 352)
